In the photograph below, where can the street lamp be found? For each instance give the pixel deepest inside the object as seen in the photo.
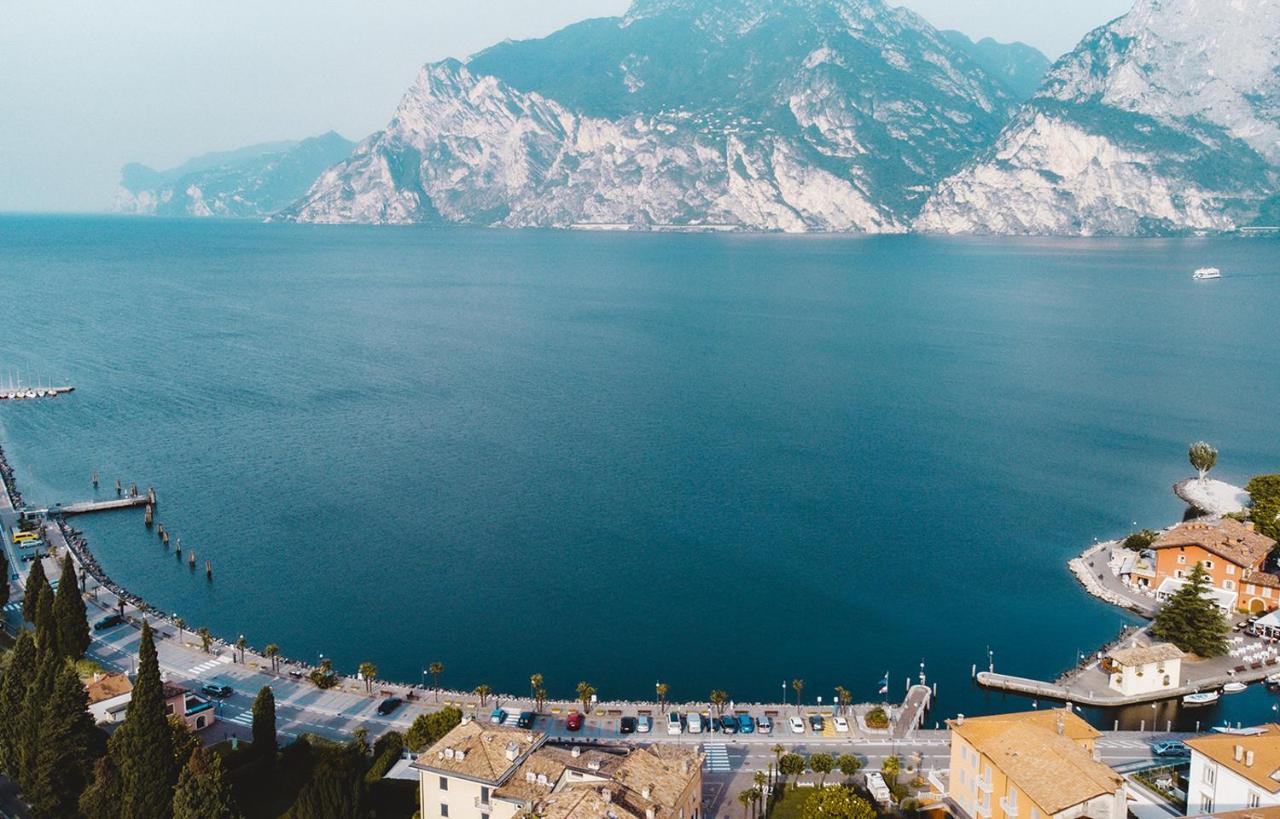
(784, 693)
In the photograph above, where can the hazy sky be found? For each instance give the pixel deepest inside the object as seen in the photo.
(87, 85)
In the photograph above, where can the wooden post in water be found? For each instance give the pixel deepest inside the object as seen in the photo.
(179, 547)
(117, 487)
(191, 559)
(160, 530)
(165, 538)
(147, 518)
(151, 495)
(133, 490)
(95, 480)
(208, 570)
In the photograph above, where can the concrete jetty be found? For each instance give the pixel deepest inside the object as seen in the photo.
(1081, 692)
(85, 507)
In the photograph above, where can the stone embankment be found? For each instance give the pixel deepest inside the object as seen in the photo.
(1096, 561)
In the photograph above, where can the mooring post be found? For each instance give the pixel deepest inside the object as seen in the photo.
(117, 487)
(95, 480)
(208, 570)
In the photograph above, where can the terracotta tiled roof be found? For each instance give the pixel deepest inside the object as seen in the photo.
(1053, 769)
(1258, 578)
(1229, 539)
(108, 686)
(1141, 655)
(480, 751)
(586, 802)
(1221, 748)
(664, 770)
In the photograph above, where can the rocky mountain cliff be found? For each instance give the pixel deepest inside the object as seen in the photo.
(765, 114)
(1166, 120)
(250, 182)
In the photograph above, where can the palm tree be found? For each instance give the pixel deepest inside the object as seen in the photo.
(744, 799)
(483, 691)
(326, 666)
(240, 644)
(535, 682)
(368, 671)
(585, 693)
(436, 669)
(756, 796)
(271, 651)
(206, 639)
(719, 699)
(843, 697)
(760, 780)
(539, 698)
(662, 689)
(778, 751)
(182, 627)
(797, 685)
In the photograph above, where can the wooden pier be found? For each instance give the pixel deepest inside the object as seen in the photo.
(85, 507)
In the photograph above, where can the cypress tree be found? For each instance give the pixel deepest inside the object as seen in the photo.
(30, 721)
(203, 792)
(36, 582)
(101, 800)
(336, 787)
(62, 763)
(264, 723)
(22, 667)
(68, 610)
(4, 578)
(145, 752)
(46, 623)
(1192, 621)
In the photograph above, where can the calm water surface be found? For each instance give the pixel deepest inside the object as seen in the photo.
(718, 461)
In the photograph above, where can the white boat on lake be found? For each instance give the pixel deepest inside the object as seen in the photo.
(1233, 688)
(1206, 273)
(1201, 698)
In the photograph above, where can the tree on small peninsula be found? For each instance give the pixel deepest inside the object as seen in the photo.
(1192, 621)
(1203, 457)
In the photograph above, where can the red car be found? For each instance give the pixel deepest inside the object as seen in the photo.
(574, 721)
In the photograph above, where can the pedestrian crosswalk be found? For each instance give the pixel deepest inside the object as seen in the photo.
(717, 757)
(14, 606)
(205, 666)
(1122, 743)
(244, 718)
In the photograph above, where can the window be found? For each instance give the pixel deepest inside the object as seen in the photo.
(1251, 589)
(484, 795)
(444, 783)
(1229, 585)
(444, 809)
(1206, 804)
(1182, 559)
(1231, 568)
(1178, 574)
(1254, 799)
(1035, 813)
(1209, 777)
(1208, 564)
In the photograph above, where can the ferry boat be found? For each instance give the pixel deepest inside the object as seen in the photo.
(1233, 688)
(1201, 698)
(1204, 273)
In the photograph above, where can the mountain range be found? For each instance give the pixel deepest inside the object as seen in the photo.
(820, 115)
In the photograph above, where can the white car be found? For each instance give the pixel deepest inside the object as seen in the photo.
(673, 724)
(842, 725)
(797, 725)
(695, 722)
(643, 724)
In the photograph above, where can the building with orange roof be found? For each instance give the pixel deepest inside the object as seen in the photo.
(1232, 554)
(109, 697)
(1234, 772)
(1031, 765)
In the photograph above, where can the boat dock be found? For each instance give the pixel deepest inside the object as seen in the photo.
(29, 393)
(1085, 691)
(85, 507)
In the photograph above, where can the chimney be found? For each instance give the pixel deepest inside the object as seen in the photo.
(459, 755)
(646, 791)
(1248, 759)
(606, 794)
(1239, 753)
(684, 767)
(513, 751)
(650, 812)
(959, 719)
(1061, 725)
(576, 752)
(448, 753)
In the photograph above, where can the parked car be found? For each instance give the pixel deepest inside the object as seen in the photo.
(574, 721)
(797, 725)
(389, 705)
(817, 723)
(729, 724)
(674, 726)
(498, 716)
(764, 725)
(643, 724)
(694, 721)
(746, 725)
(1170, 747)
(526, 719)
(627, 725)
(110, 621)
(218, 692)
(842, 725)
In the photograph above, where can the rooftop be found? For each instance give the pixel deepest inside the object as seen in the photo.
(107, 686)
(1044, 754)
(1228, 538)
(480, 751)
(1265, 747)
(1142, 655)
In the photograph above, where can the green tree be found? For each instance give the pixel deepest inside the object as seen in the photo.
(181, 625)
(242, 644)
(68, 610)
(13, 691)
(661, 689)
(822, 765)
(4, 578)
(335, 789)
(719, 700)
(837, 802)
(101, 800)
(182, 741)
(1203, 457)
(428, 729)
(435, 670)
(482, 691)
(535, 682)
(1140, 540)
(1264, 495)
(202, 791)
(368, 672)
(272, 651)
(31, 717)
(206, 639)
(745, 799)
(264, 722)
(63, 765)
(46, 622)
(843, 697)
(585, 694)
(791, 765)
(142, 746)
(891, 767)
(848, 764)
(798, 687)
(1192, 621)
(36, 582)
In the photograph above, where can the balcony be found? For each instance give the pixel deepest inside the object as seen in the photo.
(982, 809)
(1009, 807)
(483, 804)
(983, 785)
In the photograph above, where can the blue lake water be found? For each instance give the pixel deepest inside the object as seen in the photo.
(718, 461)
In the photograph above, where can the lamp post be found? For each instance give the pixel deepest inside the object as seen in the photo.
(784, 693)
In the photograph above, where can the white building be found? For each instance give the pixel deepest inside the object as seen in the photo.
(109, 696)
(1234, 772)
(1144, 669)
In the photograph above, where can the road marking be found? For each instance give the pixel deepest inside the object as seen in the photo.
(14, 606)
(717, 757)
(203, 667)
(243, 718)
